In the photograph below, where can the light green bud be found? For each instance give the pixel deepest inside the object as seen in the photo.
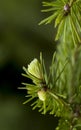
(34, 68)
(42, 95)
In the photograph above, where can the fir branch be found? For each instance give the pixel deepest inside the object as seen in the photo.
(41, 89)
(59, 92)
(61, 11)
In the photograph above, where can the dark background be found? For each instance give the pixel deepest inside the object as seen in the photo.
(21, 40)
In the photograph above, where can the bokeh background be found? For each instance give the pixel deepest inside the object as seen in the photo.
(21, 40)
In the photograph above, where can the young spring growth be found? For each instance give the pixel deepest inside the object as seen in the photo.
(42, 95)
(34, 68)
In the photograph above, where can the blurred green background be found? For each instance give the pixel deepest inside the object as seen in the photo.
(21, 40)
